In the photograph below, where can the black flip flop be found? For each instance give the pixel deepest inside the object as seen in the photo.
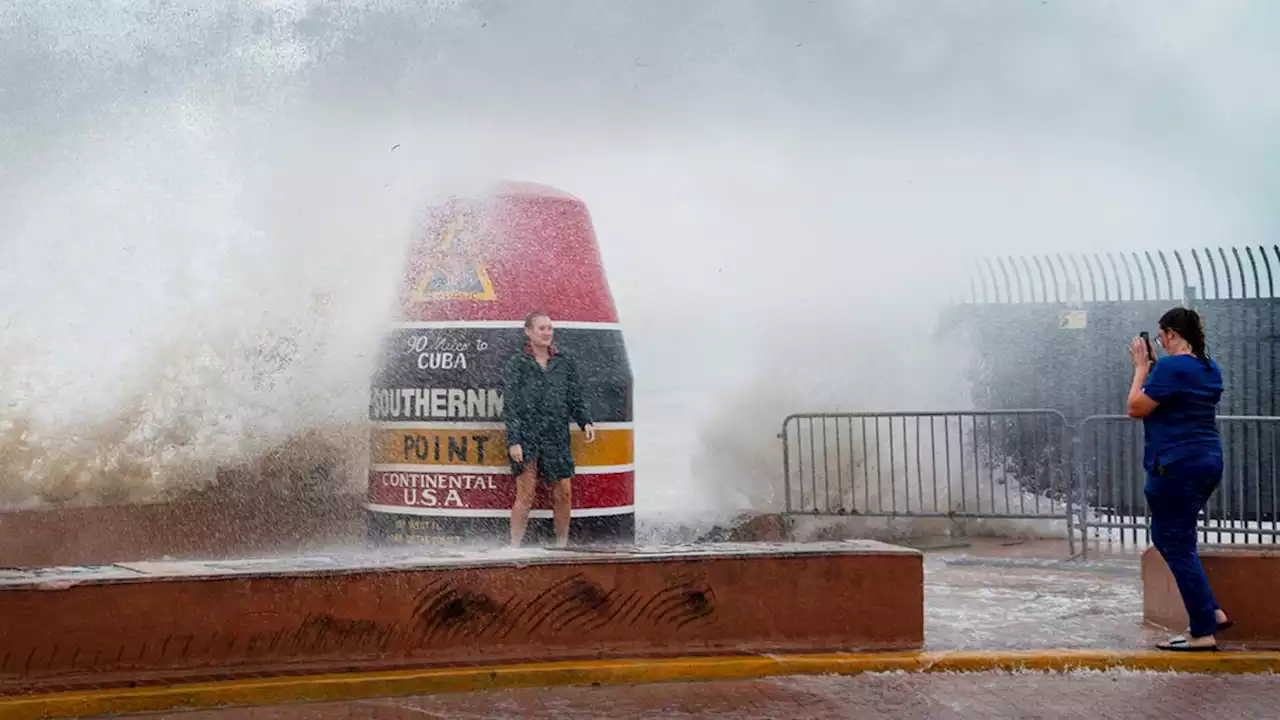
(1180, 644)
(1223, 626)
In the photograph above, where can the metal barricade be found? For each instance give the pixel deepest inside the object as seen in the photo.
(1010, 464)
(1113, 507)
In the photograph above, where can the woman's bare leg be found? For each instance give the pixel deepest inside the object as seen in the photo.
(562, 495)
(526, 483)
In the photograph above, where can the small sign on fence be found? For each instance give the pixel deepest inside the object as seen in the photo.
(1074, 320)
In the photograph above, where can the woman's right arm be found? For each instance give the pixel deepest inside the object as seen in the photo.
(512, 413)
(1138, 404)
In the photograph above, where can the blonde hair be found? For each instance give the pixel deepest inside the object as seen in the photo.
(528, 319)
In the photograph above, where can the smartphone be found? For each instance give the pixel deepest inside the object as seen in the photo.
(1146, 339)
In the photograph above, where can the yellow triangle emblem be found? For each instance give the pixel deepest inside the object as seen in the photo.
(453, 271)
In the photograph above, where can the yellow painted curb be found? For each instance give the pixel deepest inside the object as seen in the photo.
(358, 686)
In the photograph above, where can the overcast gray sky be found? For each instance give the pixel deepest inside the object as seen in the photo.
(1192, 79)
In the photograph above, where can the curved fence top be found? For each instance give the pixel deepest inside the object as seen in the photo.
(1221, 273)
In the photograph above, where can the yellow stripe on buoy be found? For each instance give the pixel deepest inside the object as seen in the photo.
(487, 447)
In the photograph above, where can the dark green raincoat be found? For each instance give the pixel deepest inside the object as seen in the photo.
(538, 406)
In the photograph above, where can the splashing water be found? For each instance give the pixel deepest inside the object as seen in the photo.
(204, 208)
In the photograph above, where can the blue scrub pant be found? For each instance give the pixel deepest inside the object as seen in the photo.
(1175, 495)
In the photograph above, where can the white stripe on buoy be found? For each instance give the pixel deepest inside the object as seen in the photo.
(494, 470)
(447, 324)
(576, 512)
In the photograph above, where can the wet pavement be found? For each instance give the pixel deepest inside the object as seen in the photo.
(1001, 595)
(900, 696)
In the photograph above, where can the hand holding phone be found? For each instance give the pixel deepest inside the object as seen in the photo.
(1146, 342)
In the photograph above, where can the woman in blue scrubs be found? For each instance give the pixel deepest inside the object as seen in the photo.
(1177, 399)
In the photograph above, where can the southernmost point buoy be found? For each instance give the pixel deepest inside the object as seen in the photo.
(440, 471)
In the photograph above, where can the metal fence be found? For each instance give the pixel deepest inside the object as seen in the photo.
(985, 464)
(1108, 468)
(1221, 273)
(1062, 324)
(1019, 464)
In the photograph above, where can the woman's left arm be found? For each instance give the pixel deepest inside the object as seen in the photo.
(577, 402)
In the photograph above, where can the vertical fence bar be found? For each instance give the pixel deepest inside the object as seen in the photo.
(906, 468)
(879, 480)
(1238, 501)
(977, 464)
(800, 466)
(1257, 486)
(866, 470)
(892, 472)
(1124, 490)
(1082, 485)
(1106, 476)
(1137, 479)
(933, 446)
(826, 466)
(1240, 522)
(812, 463)
(1224, 493)
(964, 498)
(946, 435)
(1218, 499)
(1055, 473)
(853, 470)
(920, 469)
(1275, 488)
(840, 469)
(786, 466)
(1239, 448)
(1037, 461)
(1004, 474)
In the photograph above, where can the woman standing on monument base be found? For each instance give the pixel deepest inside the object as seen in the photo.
(1177, 397)
(542, 394)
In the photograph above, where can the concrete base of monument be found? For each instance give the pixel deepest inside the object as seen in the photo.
(391, 529)
(1246, 581)
(222, 524)
(239, 520)
(164, 623)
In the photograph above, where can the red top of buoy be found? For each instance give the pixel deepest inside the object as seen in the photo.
(514, 188)
(518, 248)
